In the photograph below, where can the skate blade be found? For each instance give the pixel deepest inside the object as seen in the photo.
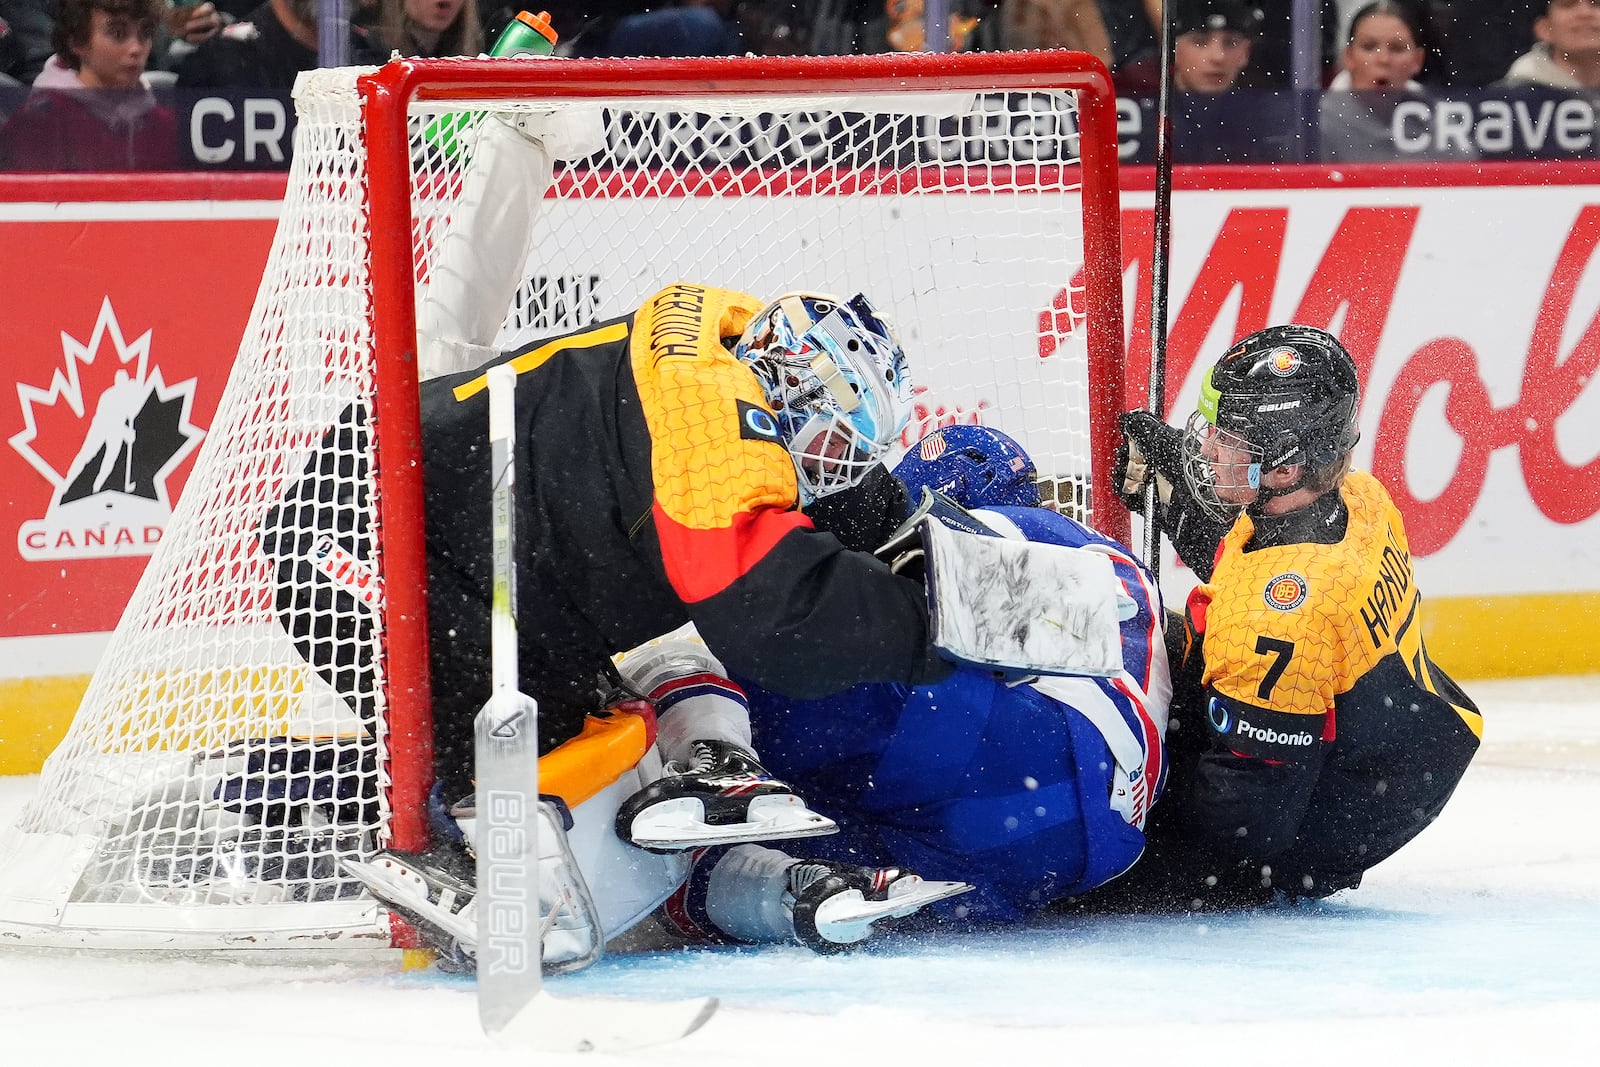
(677, 825)
(848, 917)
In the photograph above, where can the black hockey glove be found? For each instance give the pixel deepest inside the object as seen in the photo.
(863, 516)
(1152, 449)
(1149, 448)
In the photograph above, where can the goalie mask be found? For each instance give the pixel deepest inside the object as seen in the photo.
(836, 379)
(976, 466)
(1285, 396)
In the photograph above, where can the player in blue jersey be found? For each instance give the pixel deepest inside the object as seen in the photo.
(1029, 792)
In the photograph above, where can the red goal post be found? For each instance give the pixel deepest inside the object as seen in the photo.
(212, 779)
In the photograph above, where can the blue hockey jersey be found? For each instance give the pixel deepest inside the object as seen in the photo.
(1031, 793)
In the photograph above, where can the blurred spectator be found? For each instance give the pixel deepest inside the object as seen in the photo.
(90, 108)
(1131, 27)
(431, 27)
(1211, 48)
(10, 55)
(1134, 24)
(1074, 24)
(1272, 57)
(266, 52)
(1567, 54)
(1479, 39)
(25, 43)
(185, 26)
(907, 29)
(1385, 48)
(688, 29)
(795, 28)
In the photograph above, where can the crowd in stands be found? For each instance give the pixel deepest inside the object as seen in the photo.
(92, 65)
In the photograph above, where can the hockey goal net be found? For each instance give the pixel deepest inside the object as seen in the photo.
(213, 779)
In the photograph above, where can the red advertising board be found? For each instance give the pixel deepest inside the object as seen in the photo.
(120, 331)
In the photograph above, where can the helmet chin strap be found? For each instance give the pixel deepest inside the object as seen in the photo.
(1265, 494)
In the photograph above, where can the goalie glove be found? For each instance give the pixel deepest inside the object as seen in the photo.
(904, 550)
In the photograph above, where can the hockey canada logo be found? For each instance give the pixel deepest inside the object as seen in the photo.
(1286, 592)
(105, 434)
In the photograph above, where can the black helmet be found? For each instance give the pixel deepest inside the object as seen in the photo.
(1287, 395)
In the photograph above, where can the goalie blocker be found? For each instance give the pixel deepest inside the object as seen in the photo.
(1007, 604)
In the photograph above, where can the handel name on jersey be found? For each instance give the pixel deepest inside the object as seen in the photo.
(105, 435)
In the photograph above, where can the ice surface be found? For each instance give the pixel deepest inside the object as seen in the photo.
(1479, 943)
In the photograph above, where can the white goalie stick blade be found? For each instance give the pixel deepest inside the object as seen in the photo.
(509, 922)
(679, 823)
(847, 917)
(573, 1024)
(513, 1007)
(515, 832)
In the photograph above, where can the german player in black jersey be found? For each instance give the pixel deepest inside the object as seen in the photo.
(709, 458)
(1311, 735)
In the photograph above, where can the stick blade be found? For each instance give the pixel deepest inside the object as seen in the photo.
(578, 1024)
(509, 953)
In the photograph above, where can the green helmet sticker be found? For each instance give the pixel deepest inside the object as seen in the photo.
(1209, 395)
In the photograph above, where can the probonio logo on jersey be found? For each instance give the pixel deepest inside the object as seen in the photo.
(757, 423)
(1285, 592)
(1221, 718)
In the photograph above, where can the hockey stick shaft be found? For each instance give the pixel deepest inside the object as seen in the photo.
(513, 1006)
(507, 750)
(1160, 258)
(503, 467)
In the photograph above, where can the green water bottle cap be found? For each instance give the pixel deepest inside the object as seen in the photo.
(526, 35)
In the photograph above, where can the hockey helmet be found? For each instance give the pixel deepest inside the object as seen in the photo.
(836, 379)
(976, 466)
(1283, 396)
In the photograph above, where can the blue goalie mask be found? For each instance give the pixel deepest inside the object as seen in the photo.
(836, 379)
(975, 466)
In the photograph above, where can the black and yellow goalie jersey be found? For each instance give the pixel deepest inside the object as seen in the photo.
(652, 489)
(1321, 737)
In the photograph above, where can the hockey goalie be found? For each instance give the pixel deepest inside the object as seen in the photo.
(683, 463)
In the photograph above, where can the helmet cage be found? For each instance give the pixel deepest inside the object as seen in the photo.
(1214, 486)
(839, 389)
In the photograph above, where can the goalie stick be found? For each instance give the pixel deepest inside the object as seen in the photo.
(513, 1006)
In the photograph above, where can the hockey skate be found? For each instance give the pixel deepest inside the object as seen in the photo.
(428, 891)
(837, 904)
(436, 891)
(762, 895)
(723, 797)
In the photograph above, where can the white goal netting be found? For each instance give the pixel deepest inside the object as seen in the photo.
(230, 750)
